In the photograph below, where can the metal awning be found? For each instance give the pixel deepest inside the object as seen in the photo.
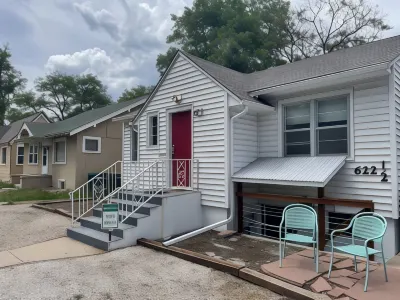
(299, 171)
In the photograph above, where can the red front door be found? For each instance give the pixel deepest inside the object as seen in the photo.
(181, 148)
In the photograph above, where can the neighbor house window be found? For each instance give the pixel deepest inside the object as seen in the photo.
(153, 130)
(134, 146)
(317, 127)
(91, 144)
(3, 155)
(20, 154)
(33, 154)
(60, 151)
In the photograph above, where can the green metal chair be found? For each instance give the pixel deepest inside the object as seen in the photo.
(303, 217)
(368, 226)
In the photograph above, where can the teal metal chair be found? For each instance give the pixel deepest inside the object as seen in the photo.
(367, 226)
(304, 219)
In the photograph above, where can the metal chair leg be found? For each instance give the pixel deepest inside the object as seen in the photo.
(284, 247)
(317, 258)
(355, 263)
(384, 264)
(331, 264)
(367, 273)
(280, 254)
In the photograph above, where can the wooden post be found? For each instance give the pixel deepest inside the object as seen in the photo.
(239, 206)
(321, 221)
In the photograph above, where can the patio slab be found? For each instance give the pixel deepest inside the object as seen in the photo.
(344, 264)
(336, 292)
(296, 269)
(343, 282)
(340, 273)
(321, 285)
(378, 288)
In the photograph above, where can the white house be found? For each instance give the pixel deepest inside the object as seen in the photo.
(323, 131)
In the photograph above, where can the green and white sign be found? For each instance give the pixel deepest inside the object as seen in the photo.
(109, 217)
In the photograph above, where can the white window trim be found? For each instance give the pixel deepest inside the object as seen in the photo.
(1, 163)
(16, 154)
(98, 139)
(149, 115)
(282, 103)
(29, 152)
(54, 151)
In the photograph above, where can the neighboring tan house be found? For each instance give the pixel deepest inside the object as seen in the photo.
(63, 154)
(11, 153)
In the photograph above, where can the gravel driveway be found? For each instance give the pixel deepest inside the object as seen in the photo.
(22, 225)
(130, 273)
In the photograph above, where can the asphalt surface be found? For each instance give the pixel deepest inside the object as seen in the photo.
(22, 225)
(130, 273)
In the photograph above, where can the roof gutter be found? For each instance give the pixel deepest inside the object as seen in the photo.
(231, 202)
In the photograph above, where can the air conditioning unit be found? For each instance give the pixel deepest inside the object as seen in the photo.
(61, 184)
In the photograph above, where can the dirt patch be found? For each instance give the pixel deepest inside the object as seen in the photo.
(240, 249)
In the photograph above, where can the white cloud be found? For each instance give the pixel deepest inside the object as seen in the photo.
(117, 73)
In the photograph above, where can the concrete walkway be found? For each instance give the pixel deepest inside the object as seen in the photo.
(54, 249)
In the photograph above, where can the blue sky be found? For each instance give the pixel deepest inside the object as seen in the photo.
(118, 40)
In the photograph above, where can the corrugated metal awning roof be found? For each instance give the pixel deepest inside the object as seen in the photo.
(299, 171)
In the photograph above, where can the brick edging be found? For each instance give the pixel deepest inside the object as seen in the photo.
(257, 278)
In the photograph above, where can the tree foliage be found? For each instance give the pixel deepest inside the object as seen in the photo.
(138, 91)
(11, 82)
(244, 35)
(67, 95)
(322, 26)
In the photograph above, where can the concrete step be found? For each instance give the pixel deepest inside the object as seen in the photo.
(127, 195)
(95, 223)
(131, 205)
(91, 237)
(132, 220)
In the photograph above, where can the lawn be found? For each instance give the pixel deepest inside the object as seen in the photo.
(31, 195)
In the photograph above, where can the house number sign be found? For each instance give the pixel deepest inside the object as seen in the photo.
(371, 171)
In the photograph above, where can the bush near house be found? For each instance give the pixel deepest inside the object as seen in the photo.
(6, 185)
(31, 195)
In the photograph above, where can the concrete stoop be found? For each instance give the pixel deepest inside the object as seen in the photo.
(142, 224)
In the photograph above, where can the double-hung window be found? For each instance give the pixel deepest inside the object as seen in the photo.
(20, 154)
(317, 127)
(3, 155)
(33, 154)
(60, 151)
(153, 130)
(134, 146)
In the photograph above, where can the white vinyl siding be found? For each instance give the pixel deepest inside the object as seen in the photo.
(268, 134)
(396, 76)
(208, 130)
(245, 140)
(371, 140)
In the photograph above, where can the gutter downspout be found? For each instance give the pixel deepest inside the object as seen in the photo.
(231, 202)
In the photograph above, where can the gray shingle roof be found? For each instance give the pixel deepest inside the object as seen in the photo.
(66, 126)
(382, 51)
(14, 128)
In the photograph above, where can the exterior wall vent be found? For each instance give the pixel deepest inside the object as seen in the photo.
(61, 184)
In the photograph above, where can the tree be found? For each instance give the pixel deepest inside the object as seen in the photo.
(89, 93)
(14, 114)
(139, 91)
(244, 35)
(11, 81)
(322, 26)
(67, 95)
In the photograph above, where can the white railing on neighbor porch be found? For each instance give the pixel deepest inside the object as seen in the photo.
(136, 181)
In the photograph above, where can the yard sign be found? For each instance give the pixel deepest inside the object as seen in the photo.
(109, 217)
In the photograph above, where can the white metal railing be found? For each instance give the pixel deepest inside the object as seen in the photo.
(136, 181)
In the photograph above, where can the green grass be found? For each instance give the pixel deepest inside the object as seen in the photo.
(6, 185)
(31, 195)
